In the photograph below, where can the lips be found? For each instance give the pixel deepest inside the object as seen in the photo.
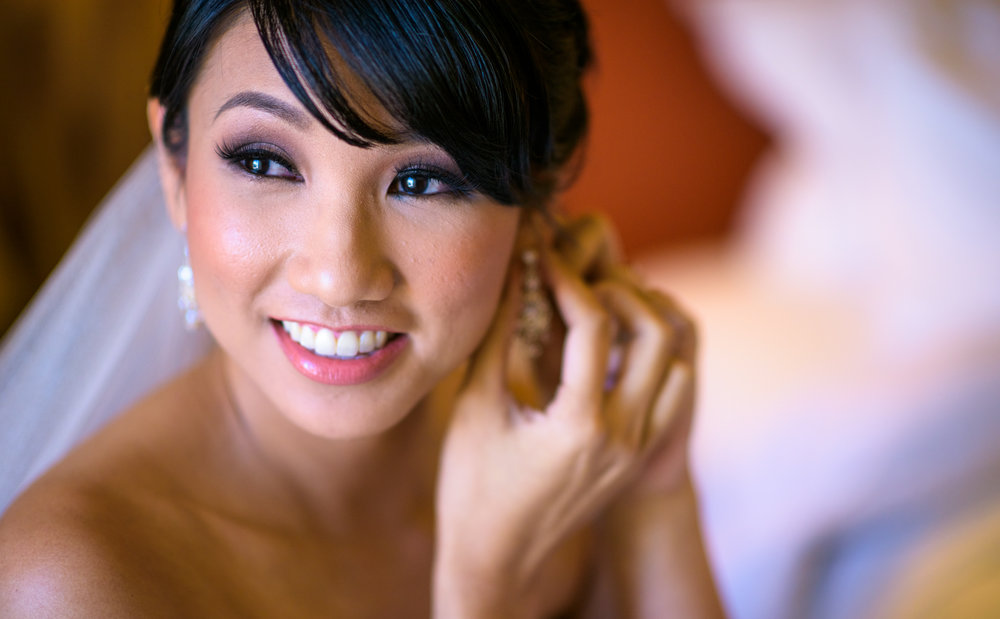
(338, 357)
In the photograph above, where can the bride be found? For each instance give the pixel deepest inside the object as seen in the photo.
(427, 394)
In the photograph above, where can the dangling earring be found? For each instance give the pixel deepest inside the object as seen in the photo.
(536, 311)
(186, 300)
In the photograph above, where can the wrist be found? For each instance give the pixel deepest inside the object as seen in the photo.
(463, 592)
(678, 496)
(656, 538)
(466, 586)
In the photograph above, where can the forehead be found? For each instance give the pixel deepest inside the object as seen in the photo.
(238, 62)
(237, 53)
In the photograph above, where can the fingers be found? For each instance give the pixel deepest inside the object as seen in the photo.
(649, 343)
(656, 346)
(677, 396)
(685, 333)
(587, 344)
(642, 334)
(590, 247)
(674, 404)
(646, 341)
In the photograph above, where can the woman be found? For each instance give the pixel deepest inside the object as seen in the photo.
(363, 188)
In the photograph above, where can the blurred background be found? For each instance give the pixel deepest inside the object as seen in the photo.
(72, 118)
(667, 155)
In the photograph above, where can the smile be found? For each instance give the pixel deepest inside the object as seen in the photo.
(329, 343)
(342, 357)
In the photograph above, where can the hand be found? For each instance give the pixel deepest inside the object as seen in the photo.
(516, 481)
(593, 251)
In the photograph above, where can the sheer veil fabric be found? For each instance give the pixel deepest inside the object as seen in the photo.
(102, 332)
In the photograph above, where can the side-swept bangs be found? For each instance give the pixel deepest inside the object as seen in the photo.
(495, 83)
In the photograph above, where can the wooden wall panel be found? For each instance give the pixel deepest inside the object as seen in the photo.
(73, 82)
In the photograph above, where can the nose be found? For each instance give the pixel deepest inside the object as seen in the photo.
(341, 259)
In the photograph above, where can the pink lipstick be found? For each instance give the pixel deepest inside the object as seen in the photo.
(339, 371)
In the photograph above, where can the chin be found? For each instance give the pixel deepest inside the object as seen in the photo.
(354, 412)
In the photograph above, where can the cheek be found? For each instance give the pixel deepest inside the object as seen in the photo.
(227, 244)
(466, 278)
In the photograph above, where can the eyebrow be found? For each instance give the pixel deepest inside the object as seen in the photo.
(269, 104)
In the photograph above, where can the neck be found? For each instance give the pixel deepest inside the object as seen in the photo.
(338, 483)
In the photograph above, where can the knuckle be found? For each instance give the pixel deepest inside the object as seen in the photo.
(594, 315)
(660, 331)
(590, 224)
(627, 276)
(588, 236)
(681, 323)
(609, 291)
(589, 431)
(600, 225)
(652, 318)
(642, 312)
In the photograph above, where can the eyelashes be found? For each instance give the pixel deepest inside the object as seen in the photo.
(260, 160)
(416, 179)
(424, 179)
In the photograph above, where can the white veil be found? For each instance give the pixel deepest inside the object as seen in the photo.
(102, 331)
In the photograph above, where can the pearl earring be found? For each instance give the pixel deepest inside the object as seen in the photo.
(186, 300)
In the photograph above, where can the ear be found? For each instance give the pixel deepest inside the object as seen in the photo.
(171, 169)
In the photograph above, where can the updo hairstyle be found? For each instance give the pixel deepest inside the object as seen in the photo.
(495, 83)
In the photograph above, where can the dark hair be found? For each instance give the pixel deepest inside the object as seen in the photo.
(495, 83)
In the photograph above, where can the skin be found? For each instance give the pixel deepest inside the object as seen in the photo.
(245, 488)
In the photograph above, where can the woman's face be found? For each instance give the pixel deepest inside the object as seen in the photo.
(342, 283)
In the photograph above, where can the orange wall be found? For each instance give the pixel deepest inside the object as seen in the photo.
(668, 155)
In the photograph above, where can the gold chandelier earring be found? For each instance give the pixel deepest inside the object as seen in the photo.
(535, 320)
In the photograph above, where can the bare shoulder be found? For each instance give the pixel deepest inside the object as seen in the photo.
(98, 533)
(69, 548)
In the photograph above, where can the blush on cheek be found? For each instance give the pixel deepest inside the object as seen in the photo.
(225, 248)
(246, 248)
(230, 235)
(215, 247)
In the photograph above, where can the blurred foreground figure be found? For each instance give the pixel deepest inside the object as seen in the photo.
(850, 422)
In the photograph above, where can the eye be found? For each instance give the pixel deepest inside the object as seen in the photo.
(425, 182)
(265, 166)
(260, 161)
(418, 184)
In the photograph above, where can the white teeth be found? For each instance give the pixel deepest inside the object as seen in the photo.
(347, 344)
(326, 342)
(366, 343)
(308, 339)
